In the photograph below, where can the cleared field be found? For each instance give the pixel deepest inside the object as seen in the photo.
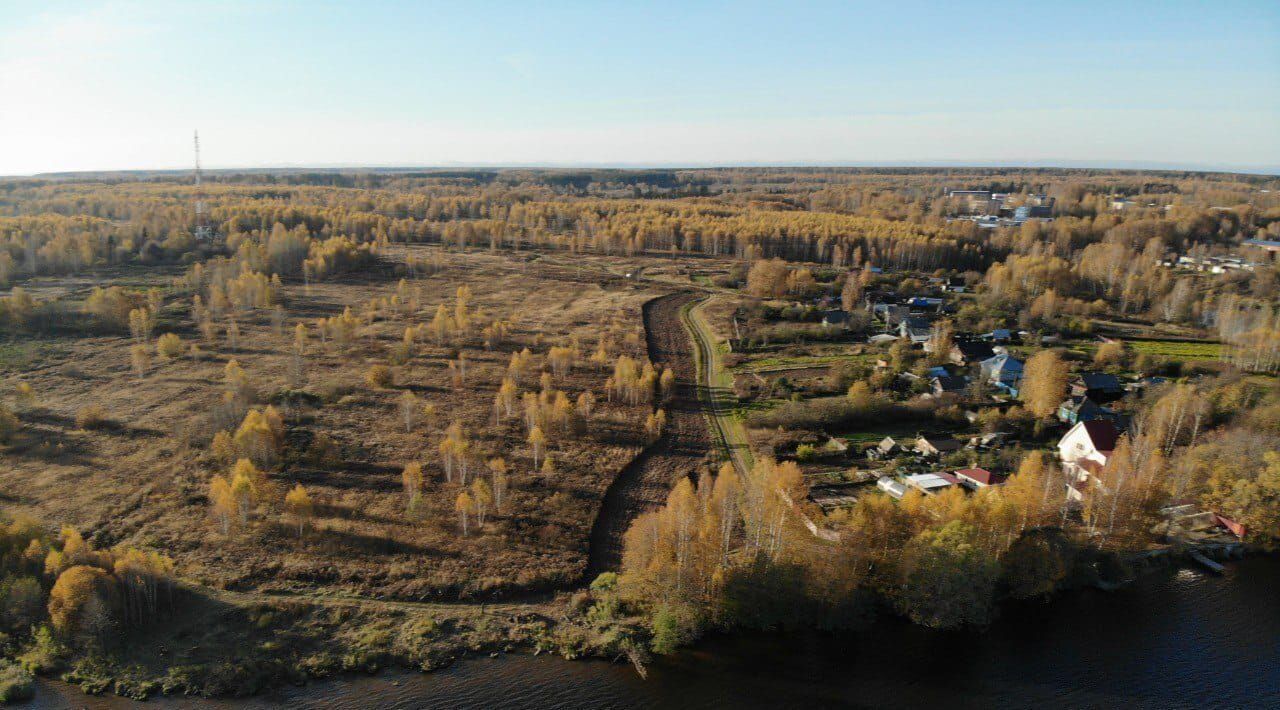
(141, 478)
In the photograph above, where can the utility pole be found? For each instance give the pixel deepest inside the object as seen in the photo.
(203, 232)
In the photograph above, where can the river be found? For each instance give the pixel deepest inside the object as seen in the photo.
(1176, 639)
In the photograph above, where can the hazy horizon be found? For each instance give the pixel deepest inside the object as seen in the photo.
(120, 85)
(1138, 166)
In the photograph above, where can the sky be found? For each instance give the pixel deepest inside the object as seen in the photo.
(122, 84)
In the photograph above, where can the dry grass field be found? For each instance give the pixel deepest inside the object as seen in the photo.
(141, 475)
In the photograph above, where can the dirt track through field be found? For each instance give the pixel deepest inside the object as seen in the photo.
(643, 485)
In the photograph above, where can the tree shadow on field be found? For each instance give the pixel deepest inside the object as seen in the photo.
(347, 512)
(346, 541)
(354, 476)
(106, 426)
(313, 308)
(49, 445)
(612, 433)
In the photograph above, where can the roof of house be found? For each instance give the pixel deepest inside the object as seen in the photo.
(930, 481)
(1102, 434)
(887, 444)
(1100, 381)
(836, 316)
(917, 323)
(981, 475)
(1082, 404)
(892, 487)
(949, 383)
(1001, 362)
(940, 443)
(974, 350)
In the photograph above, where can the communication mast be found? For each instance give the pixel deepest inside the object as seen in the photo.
(203, 231)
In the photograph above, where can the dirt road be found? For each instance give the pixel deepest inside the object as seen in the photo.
(644, 484)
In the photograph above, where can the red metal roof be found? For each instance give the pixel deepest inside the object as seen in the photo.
(1103, 434)
(981, 475)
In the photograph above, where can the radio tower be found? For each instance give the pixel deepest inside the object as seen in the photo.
(204, 232)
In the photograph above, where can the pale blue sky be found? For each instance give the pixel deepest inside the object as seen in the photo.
(113, 85)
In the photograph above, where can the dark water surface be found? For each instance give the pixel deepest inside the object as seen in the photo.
(1177, 639)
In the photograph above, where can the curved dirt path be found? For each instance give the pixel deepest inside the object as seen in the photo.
(644, 484)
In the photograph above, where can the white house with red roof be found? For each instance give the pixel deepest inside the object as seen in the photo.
(1085, 449)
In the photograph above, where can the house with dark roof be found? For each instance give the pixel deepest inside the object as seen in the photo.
(916, 329)
(934, 445)
(949, 384)
(835, 319)
(1083, 409)
(967, 352)
(1098, 386)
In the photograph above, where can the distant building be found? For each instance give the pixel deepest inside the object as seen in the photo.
(933, 445)
(836, 319)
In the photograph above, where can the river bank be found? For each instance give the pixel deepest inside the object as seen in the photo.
(1176, 637)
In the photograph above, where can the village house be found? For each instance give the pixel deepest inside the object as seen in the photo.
(892, 314)
(1084, 450)
(1098, 386)
(886, 449)
(1083, 409)
(1003, 371)
(975, 478)
(949, 384)
(836, 319)
(933, 445)
(918, 330)
(967, 352)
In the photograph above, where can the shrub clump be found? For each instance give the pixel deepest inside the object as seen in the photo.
(380, 376)
(91, 417)
(16, 684)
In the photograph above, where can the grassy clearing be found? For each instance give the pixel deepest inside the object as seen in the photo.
(22, 355)
(798, 362)
(1177, 350)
